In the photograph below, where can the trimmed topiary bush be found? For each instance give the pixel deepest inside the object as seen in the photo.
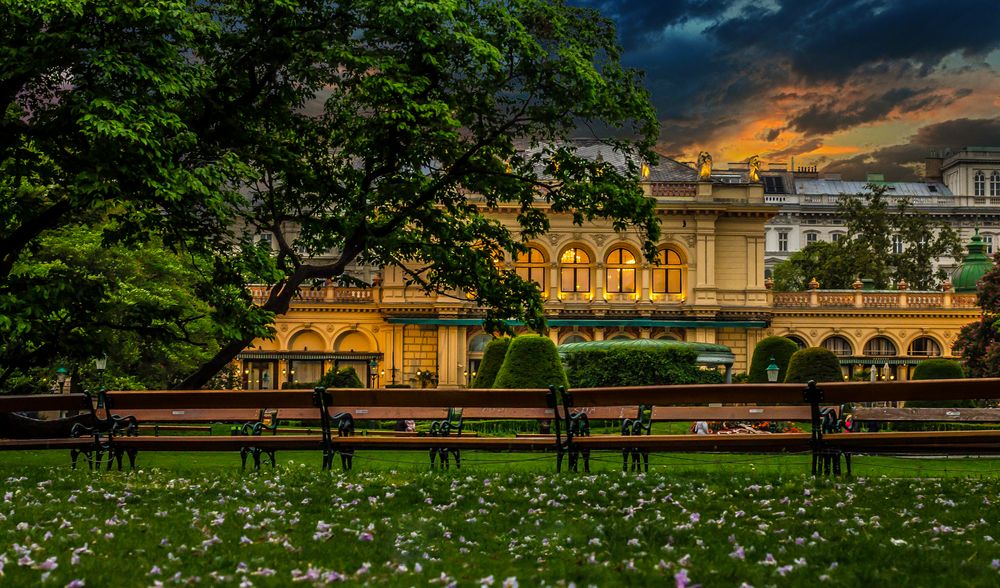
(493, 356)
(938, 369)
(814, 363)
(636, 367)
(345, 378)
(531, 362)
(780, 348)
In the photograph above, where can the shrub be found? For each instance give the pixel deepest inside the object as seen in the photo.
(531, 362)
(493, 356)
(938, 369)
(636, 367)
(780, 348)
(814, 363)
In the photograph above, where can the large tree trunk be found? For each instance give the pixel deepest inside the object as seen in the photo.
(278, 302)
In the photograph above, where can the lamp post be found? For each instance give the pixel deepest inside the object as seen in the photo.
(61, 374)
(772, 371)
(101, 364)
(373, 373)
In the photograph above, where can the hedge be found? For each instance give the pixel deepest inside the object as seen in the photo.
(344, 378)
(493, 356)
(531, 362)
(814, 363)
(780, 348)
(939, 369)
(636, 367)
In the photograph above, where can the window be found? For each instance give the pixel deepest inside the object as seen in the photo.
(783, 241)
(264, 240)
(620, 337)
(838, 346)
(668, 273)
(574, 338)
(925, 346)
(836, 237)
(995, 183)
(575, 275)
(897, 244)
(774, 185)
(988, 239)
(797, 340)
(621, 271)
(811, 238)
(530, 266)
(880, 346)
(980, 184)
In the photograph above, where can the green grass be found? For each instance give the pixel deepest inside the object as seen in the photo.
(390, 521)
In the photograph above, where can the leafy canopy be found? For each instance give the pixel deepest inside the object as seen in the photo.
(979, 342)
(387, 132)
(873, 220)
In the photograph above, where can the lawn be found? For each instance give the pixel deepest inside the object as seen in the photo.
(713, 520)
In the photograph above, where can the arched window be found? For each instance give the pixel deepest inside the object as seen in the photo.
(838, 346)
(797, 340)
(573, 338)
(575, 273)
(530, 267)
(476, 347)
(668, 337)
(880, 347)
(924, 346)
(621, 271)
(668, 273)
(980, 183)
(620, 337)
(995, 183)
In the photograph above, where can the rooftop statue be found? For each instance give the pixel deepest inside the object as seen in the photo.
(704, 166)
(754, 169)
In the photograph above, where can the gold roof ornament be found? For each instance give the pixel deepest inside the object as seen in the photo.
(704, 166)
(645, 171)
(754, 169)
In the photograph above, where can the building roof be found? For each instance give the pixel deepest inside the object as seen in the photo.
(965, 278)
(820, 186)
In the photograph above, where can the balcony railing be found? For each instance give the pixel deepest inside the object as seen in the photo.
(319, 294)
(873, 299)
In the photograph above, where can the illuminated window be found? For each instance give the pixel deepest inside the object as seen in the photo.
(531, 267)
(838, 346)
(668, 273)
(980, 183)
(880, 346)
(925, 346)
(621, 271)
(575, 272)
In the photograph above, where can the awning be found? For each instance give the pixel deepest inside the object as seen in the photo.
(313, 355)
(587, 322)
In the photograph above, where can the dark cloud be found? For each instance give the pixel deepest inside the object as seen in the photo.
(796, 149)
(903, 161)
(834, 114)
(772, 134)
(643, 22)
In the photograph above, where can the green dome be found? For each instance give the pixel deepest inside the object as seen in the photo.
(966, 277)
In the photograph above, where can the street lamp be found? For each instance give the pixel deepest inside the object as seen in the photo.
(101, 363)
(373, 373)
(61, 374)
(772, 371)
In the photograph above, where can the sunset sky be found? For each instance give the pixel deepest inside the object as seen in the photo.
(851, 86)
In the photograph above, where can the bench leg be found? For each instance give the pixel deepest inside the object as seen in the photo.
(256, 459)
(625, 453)
(645, 461)
(586, 461)
(270, 454)
(346, 459)
(327, 460)
(445, 463)
(131, 457)
(847, 462)
(243, 456)
(559, 459)
(433, 454)
(73, 455)
(119, 454)
(458, 458)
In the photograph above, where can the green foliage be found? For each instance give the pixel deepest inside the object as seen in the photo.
(979, 342)
(493, 357)
(780, 348)
(636, 367)
(380, 167)
(814, 363)
(343, 378)
(531, 362)
(872, 222)
(938, 369)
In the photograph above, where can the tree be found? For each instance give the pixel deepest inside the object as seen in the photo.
(779, 348)
(72, 298)
(979, 342)
(532, 361)
(384, 131)
(493, 357)
(872, 223)
(814, 363)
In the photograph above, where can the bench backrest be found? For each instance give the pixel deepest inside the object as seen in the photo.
(39, 402)
(958, 415)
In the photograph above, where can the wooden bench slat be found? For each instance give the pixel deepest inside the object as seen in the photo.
(13, 444)
(965, 415)
(39, 402)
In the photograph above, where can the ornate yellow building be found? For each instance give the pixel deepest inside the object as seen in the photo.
(708, 286)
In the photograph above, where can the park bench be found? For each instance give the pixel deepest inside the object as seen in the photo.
(88, 432)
